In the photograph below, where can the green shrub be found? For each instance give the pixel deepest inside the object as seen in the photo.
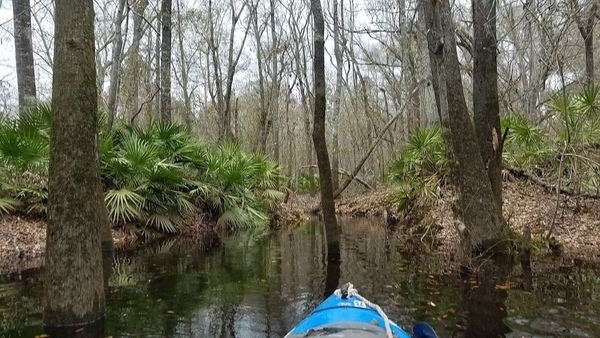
(152, 176)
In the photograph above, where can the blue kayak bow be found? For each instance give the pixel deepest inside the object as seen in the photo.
(424, 330)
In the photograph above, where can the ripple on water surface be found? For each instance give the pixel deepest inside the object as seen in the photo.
(261, 286)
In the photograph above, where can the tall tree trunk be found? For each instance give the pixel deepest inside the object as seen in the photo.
(586, 29)
(301, 63)
(165, 61)
(24, 54)
(135, 59)
(73, 287)
(261, 144)
(156, 111)
(335, 118)
(185, 72)
(478, 218)
(115, 69)
(486, 109)
(263, 128)
(233, 58)
(332, 230)
(274, 84)
(217, 93)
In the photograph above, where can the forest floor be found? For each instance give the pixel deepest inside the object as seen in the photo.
(576, 222)
(574, 238)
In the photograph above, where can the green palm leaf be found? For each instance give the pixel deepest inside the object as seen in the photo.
(232, 218)
(8, 205)
(162, 223)
(123, 205)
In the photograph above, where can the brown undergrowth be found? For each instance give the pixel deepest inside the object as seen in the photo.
(22, 240)
(574, 240)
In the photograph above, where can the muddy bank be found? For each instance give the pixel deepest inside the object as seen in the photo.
(22, 240)
(575, 219)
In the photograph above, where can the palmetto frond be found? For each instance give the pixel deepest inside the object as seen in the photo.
(525, 144)
(272, 196)
(8, 205)
(232, 218)
(162, 223)
(423, 155)
(123, 205)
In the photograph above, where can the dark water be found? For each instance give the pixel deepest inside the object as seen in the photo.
(261, 286)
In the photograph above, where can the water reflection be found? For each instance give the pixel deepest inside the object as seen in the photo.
(261, 286)
(484, 293)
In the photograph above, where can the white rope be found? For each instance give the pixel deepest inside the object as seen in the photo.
(352, 292)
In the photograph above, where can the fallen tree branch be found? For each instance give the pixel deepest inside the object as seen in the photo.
(366, 156)
(550, 186)
(346, 173)
(143, 103)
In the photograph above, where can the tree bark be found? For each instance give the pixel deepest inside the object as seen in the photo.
(327, 203)
(233, 59)
(486, 108)
(263, 128)
(586, 29)
(135, 59)
(478, 219)
(188, 115)
(24, 54)
(165, 61)
(73, 287)
(115, 69)
(275, 84)
(337, 50)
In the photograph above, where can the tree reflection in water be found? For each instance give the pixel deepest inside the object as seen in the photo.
(256, 285)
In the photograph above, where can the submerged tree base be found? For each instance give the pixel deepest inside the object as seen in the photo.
(526, 204)
(91, 330)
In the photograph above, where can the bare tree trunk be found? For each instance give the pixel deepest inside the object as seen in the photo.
(73, 287)
(478, 219)
(586, 29)
(24, 54)
(233, 59)
(327, 202)
(115, 69)
(158, 70)
(135, 57)
(486, 108)
(264, 113)
(275, 84)
(165, 61)
(337, 50)
(185, 72)
(216, 64)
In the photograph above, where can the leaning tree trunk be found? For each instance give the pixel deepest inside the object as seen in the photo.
(24, 54)
(486, 109)
(332, 231)
(73, 285)
(165, 62)
(478, 218)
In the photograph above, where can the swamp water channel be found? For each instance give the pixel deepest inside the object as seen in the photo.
(261, 286)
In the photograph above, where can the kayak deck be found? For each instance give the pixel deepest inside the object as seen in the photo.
(344, 317)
